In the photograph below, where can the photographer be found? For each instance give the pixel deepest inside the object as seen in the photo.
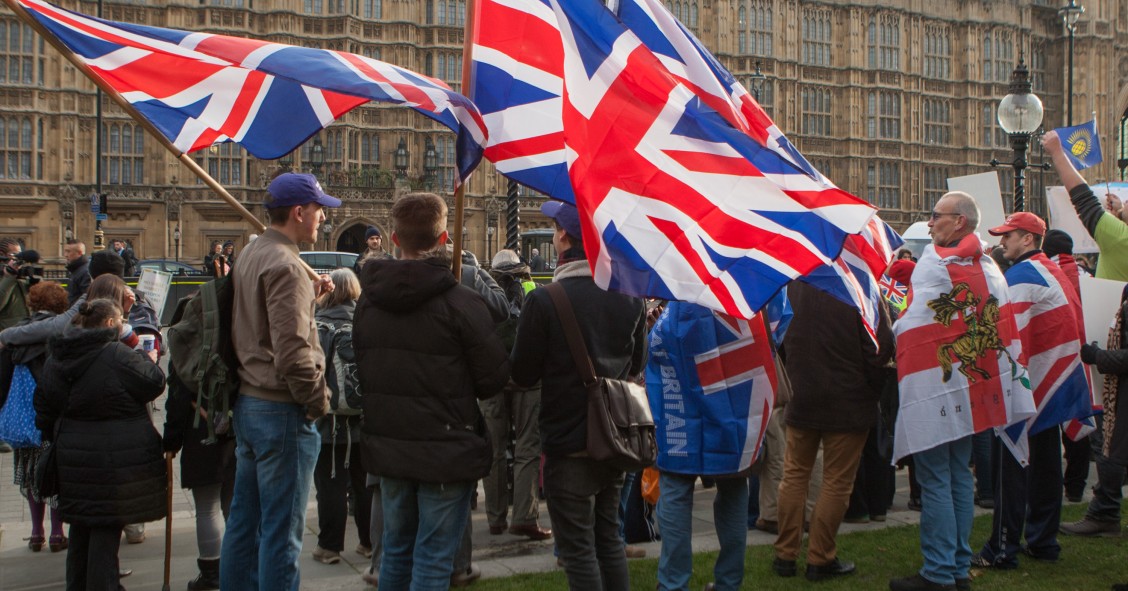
(13, 284)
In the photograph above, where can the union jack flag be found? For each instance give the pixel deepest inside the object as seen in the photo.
(1044, 308)
(893, 291)
(200, 89)
(684, 192)
(851, 277)
(712, 385)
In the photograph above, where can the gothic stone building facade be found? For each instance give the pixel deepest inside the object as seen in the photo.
(888, 98)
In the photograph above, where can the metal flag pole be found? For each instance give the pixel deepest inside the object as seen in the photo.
(130, 110)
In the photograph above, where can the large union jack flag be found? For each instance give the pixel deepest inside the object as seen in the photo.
(684, 191)
(200, 89)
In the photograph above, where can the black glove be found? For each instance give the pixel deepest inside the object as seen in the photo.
(1089, 353)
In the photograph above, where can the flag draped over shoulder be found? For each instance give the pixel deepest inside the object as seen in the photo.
(200, 89)
(687, 191)
(958, 348)
(1045, 309)
(1082, 144)
(712, 384)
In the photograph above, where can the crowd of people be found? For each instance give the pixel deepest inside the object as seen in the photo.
(393, 388)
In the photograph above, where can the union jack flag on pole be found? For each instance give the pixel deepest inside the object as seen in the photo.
(685, 188)
(199, 89)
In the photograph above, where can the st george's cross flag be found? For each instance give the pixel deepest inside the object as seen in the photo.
(686, 190)
(200, 89)
(958, 352)
(712, 385)
(1045, 310)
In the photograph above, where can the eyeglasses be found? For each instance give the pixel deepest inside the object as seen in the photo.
(936, 215)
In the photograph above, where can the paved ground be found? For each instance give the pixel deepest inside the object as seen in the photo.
(498, 556)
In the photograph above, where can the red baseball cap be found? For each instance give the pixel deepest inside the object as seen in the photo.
(1023, 220)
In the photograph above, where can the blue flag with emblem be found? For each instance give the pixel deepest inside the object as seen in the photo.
(1082, 144)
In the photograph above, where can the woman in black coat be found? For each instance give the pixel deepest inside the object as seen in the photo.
(110, 468)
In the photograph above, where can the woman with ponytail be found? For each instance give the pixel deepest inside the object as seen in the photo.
(92, 406)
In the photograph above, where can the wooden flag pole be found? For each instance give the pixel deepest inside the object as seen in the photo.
(460, 191)
(77, 62)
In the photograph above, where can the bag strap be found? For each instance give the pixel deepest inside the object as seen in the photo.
(572, 333)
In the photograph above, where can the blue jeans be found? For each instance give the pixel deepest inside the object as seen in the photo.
(276, 450)
(423, 525)
(948, 496)
(675, 518)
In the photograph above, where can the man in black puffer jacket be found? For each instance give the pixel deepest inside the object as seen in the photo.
(426, 352)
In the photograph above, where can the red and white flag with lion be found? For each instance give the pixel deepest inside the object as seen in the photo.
(957, 352)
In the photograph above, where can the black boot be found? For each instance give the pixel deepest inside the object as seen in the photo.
(208, 579)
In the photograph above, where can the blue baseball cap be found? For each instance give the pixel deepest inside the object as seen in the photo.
(565, 214)
(293, 188)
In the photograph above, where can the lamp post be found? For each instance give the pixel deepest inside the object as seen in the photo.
(1069, 15)
(176, 239)
(401, 159)
(1020, 115)
(758, 79)
(327, 229)
(317, 157)
(430, 163)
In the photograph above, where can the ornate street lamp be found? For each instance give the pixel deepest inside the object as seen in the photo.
(1069, 15)
(430, 162)
(1020, 115)
(317, 156)
(401, 158)
(176, 239)
(758, 79)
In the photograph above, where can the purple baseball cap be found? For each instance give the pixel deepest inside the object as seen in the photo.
(565, 214)
(294, 188)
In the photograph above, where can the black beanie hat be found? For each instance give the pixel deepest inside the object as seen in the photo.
(1057, 242)
(106, 261)
(371, 231)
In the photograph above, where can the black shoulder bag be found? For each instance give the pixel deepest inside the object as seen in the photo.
(620, 428)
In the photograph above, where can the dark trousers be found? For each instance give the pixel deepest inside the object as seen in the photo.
(332, 504)
(871, 483)
(1108, 491)
(1027, 500)
(1077, 455)
(92, 558)
(583, 503)
(982, 449)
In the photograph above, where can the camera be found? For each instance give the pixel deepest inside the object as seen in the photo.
(29, 267)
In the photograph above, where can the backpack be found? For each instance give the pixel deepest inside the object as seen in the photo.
(202, 354)
(340, 367)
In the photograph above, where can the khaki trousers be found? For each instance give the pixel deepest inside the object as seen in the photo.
(841, 454)
(775, 447)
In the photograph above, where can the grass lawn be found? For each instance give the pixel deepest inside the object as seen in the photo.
(1087, 564)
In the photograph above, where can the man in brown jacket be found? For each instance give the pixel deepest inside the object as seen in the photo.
(834, 367)
(281, 369)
